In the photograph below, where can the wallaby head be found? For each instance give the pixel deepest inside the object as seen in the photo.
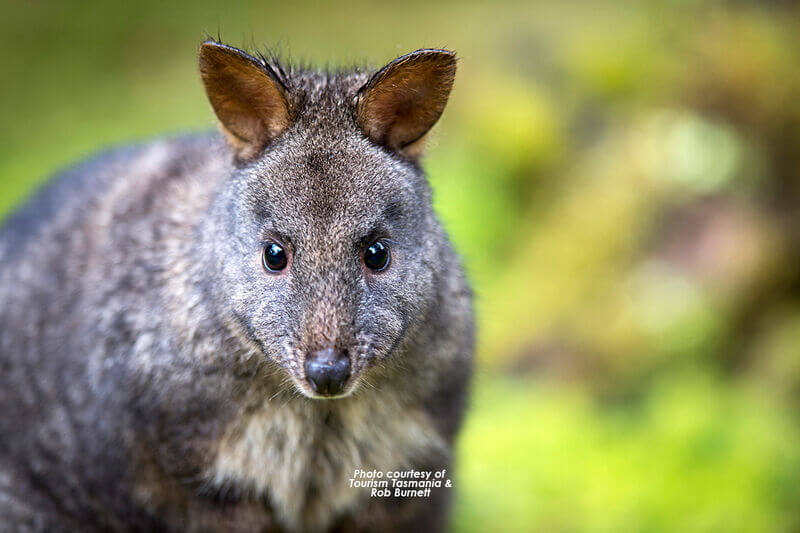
(326, 250)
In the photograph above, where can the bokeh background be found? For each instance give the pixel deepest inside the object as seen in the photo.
(623, 180)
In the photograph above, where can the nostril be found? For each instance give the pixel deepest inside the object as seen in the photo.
(327, 370)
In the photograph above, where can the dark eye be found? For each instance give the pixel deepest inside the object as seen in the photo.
(274, 257)
(376, 256)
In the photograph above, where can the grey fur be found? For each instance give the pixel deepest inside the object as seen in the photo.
(151, 371)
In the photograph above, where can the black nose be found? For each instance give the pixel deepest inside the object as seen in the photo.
(327, 370)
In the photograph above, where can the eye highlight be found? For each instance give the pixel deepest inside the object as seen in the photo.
(273, 257)
(377, 256)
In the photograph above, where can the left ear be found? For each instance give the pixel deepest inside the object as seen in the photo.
(247, 95)
(404, 99)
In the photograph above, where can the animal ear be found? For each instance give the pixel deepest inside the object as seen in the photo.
(247, 95)
(404, 99)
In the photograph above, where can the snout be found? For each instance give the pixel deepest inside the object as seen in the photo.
(327, 371)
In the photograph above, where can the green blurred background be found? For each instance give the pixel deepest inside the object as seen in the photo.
(623, 180)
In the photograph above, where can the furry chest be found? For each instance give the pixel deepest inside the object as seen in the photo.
(302, 456)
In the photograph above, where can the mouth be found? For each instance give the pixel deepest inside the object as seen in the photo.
(307, 389)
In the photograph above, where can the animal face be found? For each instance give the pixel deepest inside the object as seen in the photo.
(309, 222)
(325, 234)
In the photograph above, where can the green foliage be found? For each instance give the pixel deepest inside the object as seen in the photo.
(695, 454)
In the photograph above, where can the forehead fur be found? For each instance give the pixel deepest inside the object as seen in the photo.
(323, 167)
(318, 95)
(326, 177)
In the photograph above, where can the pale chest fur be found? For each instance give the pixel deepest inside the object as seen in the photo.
(302, 454)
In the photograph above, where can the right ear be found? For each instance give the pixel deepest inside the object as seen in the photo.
(404, 99)
(248, 97)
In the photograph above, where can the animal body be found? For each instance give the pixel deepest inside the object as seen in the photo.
(213, 332)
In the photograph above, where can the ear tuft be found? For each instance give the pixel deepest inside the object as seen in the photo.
(248, 97)
(404, 99)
